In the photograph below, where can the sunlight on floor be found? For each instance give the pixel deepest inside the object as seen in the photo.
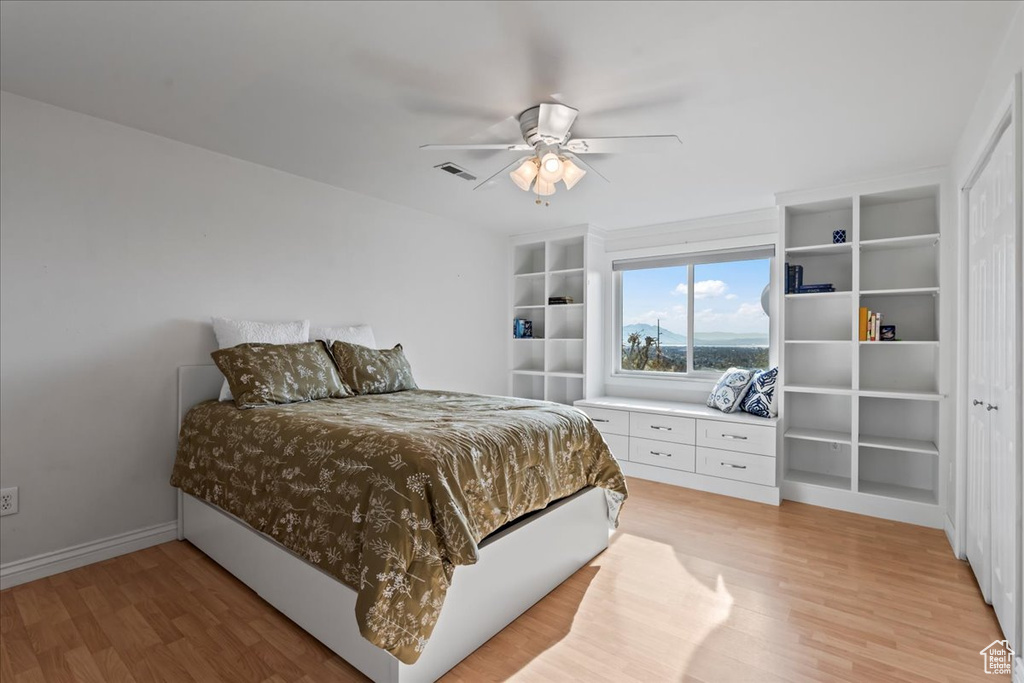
(618, 607)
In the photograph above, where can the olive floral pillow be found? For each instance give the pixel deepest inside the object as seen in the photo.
(369, 371)
(269, 374)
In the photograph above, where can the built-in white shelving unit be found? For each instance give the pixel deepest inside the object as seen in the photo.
(560, 362)
(861, 420)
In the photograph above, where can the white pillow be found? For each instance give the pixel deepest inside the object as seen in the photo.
(351, 334)
(234, 332)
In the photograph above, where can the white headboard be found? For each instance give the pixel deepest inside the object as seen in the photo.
(197, 383)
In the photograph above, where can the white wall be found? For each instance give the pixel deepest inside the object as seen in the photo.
(1009, 61)
(115, 248)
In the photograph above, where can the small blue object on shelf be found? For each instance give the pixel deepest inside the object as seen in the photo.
(522, 329)
(838, 237)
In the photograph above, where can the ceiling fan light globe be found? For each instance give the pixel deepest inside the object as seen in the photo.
(551, 168)
(571, 174)
(544, 188)
(524, 175)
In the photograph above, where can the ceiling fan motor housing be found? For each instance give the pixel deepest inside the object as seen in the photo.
(546, 124)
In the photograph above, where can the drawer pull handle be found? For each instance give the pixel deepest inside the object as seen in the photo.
(734, 436)
(598, 419)
(659, 427)
(735, 467)
(666, 455)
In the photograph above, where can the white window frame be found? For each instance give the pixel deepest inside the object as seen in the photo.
(703, 376)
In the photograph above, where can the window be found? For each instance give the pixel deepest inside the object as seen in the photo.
(695, 314)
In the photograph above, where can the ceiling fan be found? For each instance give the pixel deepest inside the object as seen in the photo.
(546, 130)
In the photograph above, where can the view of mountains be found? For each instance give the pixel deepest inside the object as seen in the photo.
(669, 338)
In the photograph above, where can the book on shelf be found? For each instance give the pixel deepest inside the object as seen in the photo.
(871, 325)
(814, 289)
(794, 278)
(863, 324)
(559, 300)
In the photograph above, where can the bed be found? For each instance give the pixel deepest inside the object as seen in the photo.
(484, 546)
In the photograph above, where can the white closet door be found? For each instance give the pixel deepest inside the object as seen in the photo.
(978, 370)
(1005, 372)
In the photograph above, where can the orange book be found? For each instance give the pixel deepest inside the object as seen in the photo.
(863, 324)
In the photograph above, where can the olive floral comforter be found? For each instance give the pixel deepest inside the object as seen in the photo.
(389, 493)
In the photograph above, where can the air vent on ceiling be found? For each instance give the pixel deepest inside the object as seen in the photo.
(449, 167)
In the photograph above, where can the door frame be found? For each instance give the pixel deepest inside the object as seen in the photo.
(1008, 118)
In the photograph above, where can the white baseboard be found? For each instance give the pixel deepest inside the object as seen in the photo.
(57, 561)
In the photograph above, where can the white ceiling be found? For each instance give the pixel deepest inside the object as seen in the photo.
(766, 97)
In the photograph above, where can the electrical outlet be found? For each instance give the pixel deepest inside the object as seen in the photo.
(8, 501)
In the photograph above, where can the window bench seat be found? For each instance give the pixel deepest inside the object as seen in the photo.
(691, 445)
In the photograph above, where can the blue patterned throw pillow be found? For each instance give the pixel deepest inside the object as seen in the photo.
(760, 399)
(730, 390)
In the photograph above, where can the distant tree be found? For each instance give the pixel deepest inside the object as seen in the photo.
(637, 356)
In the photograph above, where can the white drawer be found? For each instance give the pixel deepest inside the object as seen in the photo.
(733, 436)
(662, 427)
(675, 456)
(618, 445)
(755, 469)
(608, 421)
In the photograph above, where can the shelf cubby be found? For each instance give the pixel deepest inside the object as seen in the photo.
(565, 254)
(811, 225)
(897, 474)
(810, 414)
(819, 318)
(915, 315)
(527, 356)
(902, 213)
(819, 463)
(894, 269)
(818, 365)
(567, 283)
(565, 356)
(566, 322)
(528, 386)
(564, 389)
(536, 315)
(898, 367)
(899, 424)
(529, 258)
(529, 291)
(826, 268)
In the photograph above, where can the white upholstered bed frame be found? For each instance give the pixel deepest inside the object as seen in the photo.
(517, 567)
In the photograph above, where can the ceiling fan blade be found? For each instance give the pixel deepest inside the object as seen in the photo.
(627, 144)
(586, 166)
(504, 169)
(555, 120)
(507, 147)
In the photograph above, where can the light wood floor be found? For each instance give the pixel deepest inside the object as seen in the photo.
(694, 587)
